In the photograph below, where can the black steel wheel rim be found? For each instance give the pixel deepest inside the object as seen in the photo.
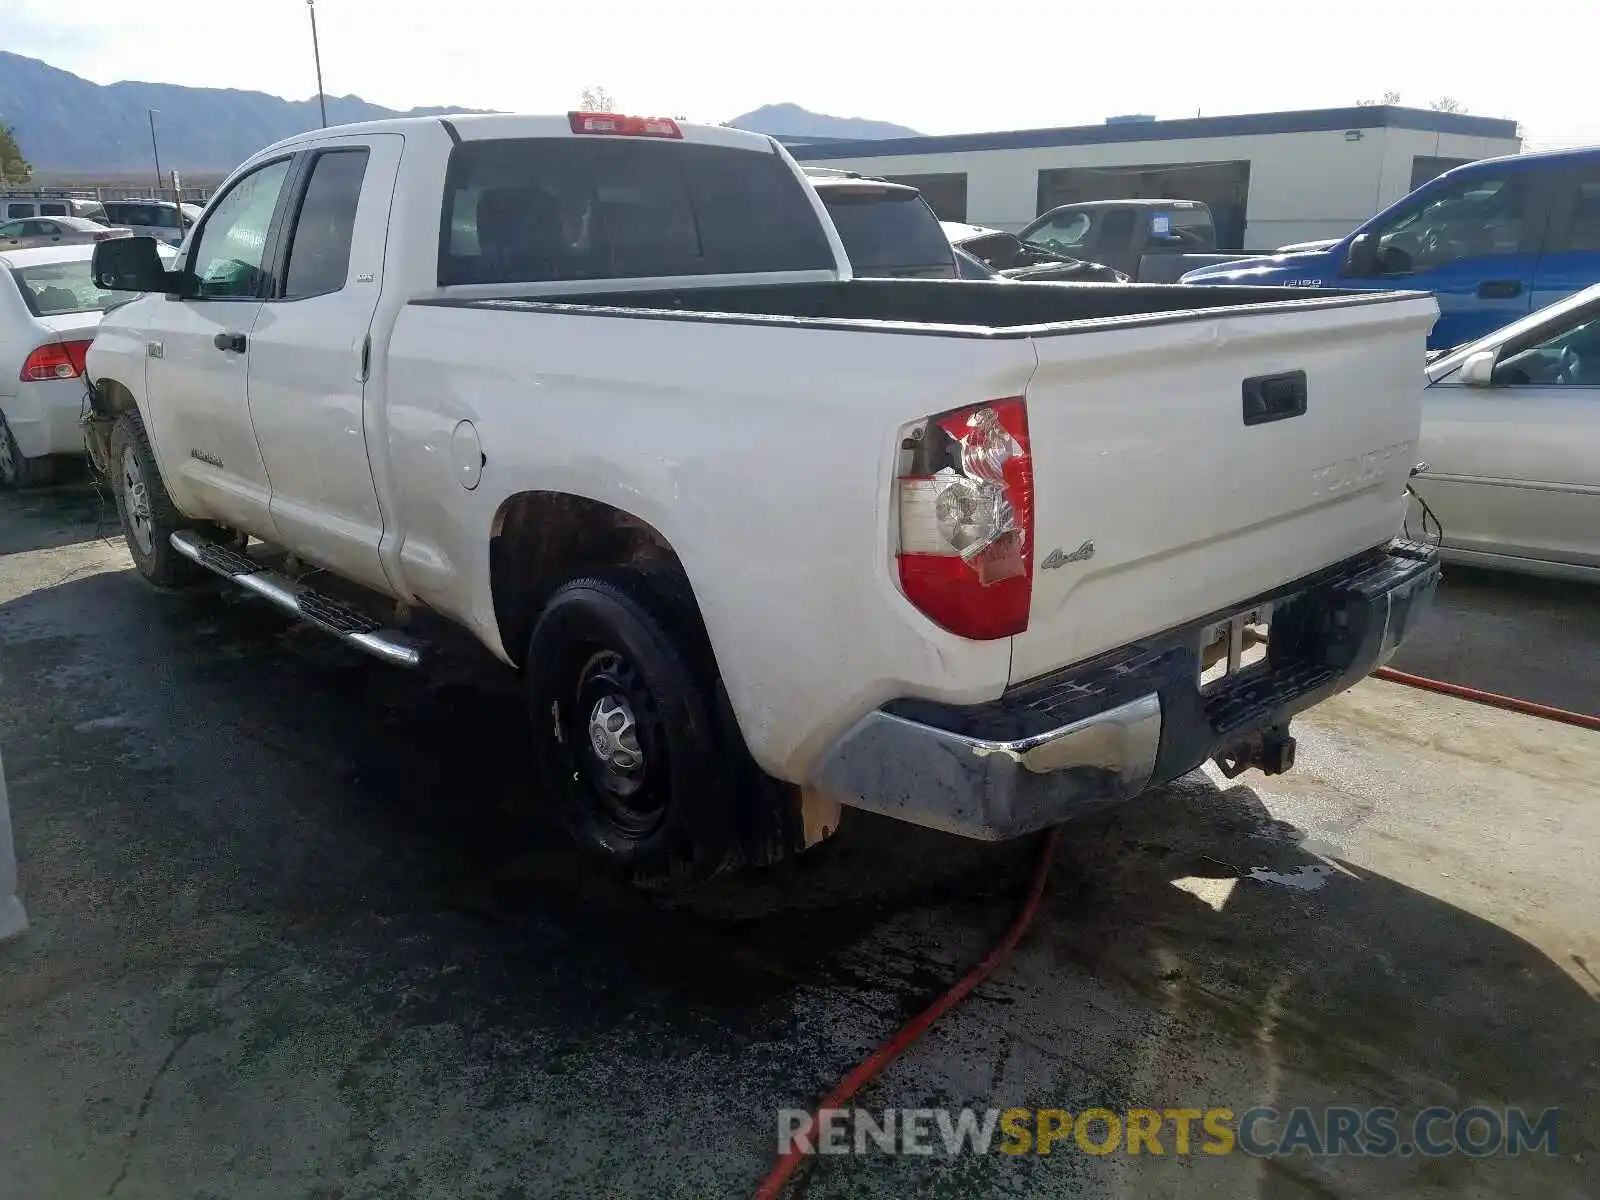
(618, 746)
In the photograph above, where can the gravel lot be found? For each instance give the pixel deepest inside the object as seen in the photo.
(299, 930)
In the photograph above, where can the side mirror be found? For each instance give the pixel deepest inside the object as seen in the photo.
(131, 264)
(1478, 370)
(1361, 261)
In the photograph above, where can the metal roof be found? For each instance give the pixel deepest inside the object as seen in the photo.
(1311, 120)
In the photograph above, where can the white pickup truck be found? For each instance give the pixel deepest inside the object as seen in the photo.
(762, 538)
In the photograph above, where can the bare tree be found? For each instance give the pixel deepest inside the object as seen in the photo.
(1388, 98)
(1447, 104)
(597, 99)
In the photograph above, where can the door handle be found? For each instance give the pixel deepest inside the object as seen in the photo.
(230, 341)
(1499, 289)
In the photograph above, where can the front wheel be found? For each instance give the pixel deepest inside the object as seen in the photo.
(626, 729)
(149, 518)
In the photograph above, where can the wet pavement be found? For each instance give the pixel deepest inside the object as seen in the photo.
(301, 930)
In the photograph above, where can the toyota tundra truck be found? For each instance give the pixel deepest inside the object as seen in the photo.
(764, 540)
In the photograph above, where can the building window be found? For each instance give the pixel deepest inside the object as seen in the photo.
(946, 194)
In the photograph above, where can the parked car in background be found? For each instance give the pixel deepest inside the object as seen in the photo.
(1011, 258)
(1511, 436)
(160, 219)
(887, 229)
(56, 231)
(1150, 241)
(15, 206)
(1493, 240)
(49, 311)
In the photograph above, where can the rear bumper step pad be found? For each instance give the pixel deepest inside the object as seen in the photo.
(331, 616)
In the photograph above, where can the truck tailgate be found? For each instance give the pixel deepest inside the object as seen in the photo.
(1175, 473)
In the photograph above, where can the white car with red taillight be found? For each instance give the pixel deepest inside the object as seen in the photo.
(765, 540)
(49, 310)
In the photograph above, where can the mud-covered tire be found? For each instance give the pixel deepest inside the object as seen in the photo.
(149, 518)
(629, 730)
(18, 471)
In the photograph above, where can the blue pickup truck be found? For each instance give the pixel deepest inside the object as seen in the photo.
(1493, 240)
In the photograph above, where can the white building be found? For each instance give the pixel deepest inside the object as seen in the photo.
(1270, 178)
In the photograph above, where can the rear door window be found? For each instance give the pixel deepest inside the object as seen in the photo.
(547, 209)
(52, 210)
(319, 251)
(18, 210)
(889, 232)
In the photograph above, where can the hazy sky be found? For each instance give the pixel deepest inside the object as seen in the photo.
(1069, 63)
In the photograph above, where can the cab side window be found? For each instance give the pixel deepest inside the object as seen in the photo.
(227, 260)
(1471, 218)
(324, 228)
(1582, 229)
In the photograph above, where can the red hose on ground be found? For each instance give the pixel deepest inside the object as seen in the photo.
(1509, 703)
(870, 1067)
(885, 1054)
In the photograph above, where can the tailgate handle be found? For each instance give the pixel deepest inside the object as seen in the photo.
(1274, 397)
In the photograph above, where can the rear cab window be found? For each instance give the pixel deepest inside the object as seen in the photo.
(56, 289)
(530, 210)
(147, 216)
(888, 231)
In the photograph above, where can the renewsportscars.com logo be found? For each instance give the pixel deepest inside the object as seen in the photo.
(1261, 1132)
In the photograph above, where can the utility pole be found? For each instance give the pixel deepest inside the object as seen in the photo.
(155, 150)
(316, 55)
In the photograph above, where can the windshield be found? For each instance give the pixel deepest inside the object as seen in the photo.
(55, 289)
(1519, 332)
(1060, 232)
(889, 233)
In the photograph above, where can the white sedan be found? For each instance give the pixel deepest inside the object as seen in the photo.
(49, 310)
(1511, 436)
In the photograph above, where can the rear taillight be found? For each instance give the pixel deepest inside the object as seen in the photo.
(966, 519)
(617, 124)
(54, 360)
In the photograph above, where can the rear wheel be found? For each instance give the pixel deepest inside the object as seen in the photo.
(626, 727)
(149, 518)
(18, 471)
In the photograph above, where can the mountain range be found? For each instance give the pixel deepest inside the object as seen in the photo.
(67, 125)
(790, 120)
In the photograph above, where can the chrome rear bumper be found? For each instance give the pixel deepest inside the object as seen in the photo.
(1080, 739)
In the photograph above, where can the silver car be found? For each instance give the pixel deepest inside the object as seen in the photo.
(32, 232)
(1511, 436)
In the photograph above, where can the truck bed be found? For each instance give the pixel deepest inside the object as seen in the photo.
(971, 308)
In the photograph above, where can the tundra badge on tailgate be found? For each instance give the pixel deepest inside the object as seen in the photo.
(1060, 558)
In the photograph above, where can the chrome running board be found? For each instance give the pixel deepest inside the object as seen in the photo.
(348, 624)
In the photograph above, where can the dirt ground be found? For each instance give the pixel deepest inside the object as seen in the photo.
(300, 931)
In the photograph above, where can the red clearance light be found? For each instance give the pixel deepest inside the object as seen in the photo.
(618, 125)
(54, 360)
(966, 520)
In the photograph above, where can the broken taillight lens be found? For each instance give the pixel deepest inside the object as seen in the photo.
(966, 519)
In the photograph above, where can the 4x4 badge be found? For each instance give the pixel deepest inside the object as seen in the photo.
(1060, 558)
